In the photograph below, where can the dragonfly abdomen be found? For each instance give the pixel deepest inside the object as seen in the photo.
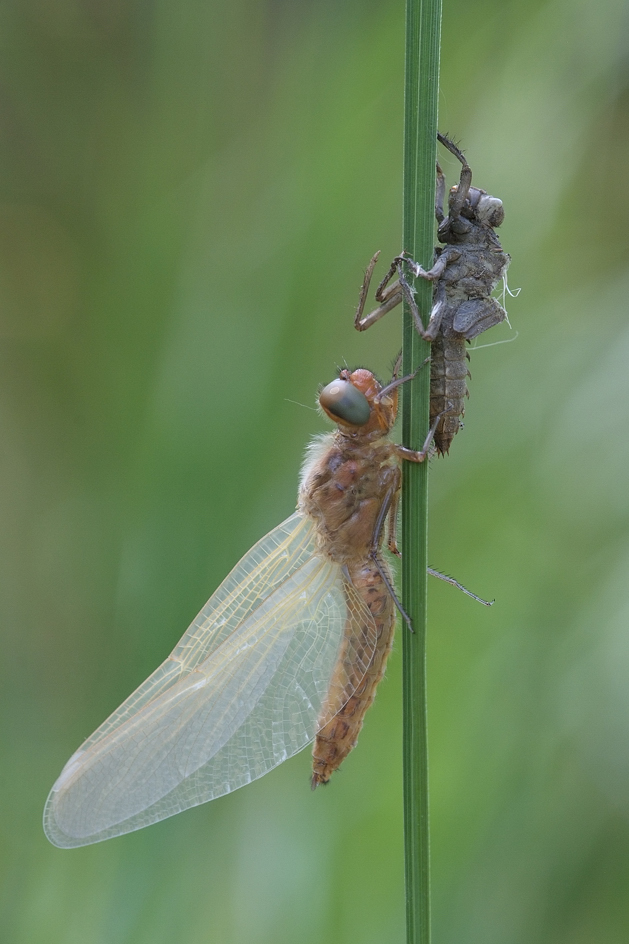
(337, 737)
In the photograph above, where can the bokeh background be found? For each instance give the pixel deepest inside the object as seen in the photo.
(189, 194)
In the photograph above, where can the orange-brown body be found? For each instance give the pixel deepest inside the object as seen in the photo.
(339, 736)
(349, 486)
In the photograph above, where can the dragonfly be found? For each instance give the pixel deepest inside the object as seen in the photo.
(289, 649)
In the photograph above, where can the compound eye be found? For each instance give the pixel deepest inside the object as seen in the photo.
(343, 400)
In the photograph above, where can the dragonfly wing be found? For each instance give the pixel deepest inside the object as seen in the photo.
(240, 693)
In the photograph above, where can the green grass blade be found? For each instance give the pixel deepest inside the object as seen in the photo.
(423, 33)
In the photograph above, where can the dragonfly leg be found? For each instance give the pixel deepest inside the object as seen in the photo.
(392, 525)
(459, 196)
(455, 583)
(397, 366)
(419, 455)
(430, 332)
(409, 297)
(388, 295)
(398, 381)
(391, 589)
(384, 290)
(390, 501)
(440, 193)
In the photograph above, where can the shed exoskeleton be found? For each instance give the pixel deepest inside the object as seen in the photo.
(465, 271)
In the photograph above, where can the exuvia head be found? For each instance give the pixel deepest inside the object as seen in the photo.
(483, 208)
(479, 207)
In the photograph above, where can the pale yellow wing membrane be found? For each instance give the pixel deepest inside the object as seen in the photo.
(240, 693)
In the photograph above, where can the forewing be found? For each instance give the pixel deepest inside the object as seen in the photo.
(240, 693)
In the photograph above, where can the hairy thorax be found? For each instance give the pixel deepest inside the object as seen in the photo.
(346, 480)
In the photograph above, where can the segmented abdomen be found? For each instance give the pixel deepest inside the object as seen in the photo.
(338, 736)
(448, 388)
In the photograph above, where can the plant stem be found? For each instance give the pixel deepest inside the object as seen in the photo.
(423, 33)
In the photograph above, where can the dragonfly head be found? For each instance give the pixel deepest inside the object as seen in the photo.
(352, 402)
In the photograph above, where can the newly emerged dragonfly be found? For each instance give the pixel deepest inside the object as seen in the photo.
(290, 647)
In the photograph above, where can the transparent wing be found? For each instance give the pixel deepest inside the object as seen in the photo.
(240, 693)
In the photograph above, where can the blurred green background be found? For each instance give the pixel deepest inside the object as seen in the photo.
(189, 195)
